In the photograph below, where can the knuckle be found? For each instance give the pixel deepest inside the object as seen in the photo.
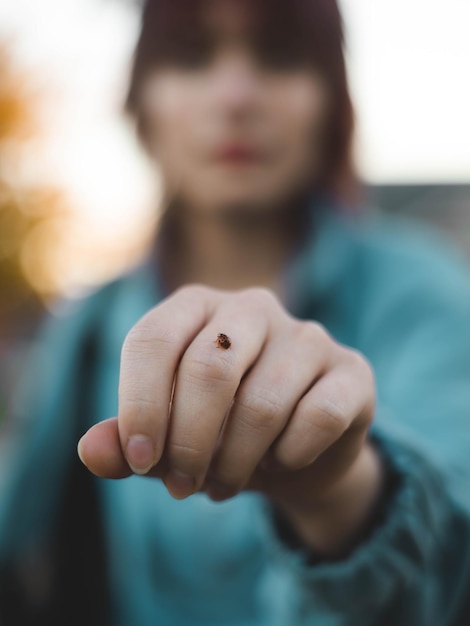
(359, 362)
(209, 370)
(368, 372)
(308, 331)
(330, 416)
(355, 358)
(133, 402)
(191, 291)
(147, 337)
(189, 455)
(366, 377)
(259, 296)
(142, 415)
(192, 297)
(260, 411)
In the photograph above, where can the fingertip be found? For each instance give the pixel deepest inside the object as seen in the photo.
(80, 450)
(100, 451)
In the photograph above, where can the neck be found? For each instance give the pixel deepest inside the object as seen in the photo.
(229, 251)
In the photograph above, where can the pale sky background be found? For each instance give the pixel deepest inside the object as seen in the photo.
(409, 68)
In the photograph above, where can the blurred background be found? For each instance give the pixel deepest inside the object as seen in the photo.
(77, 198)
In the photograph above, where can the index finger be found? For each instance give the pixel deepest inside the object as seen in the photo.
(149, 359)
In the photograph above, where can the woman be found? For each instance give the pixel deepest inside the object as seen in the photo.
(293, 375)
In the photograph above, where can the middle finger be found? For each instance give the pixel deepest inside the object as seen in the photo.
(206, 382)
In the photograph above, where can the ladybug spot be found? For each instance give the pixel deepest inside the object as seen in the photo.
(223, 341)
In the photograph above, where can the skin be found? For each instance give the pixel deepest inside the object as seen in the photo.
(193, 110)
(285, 410)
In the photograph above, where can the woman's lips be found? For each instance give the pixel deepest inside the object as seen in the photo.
(239, 154)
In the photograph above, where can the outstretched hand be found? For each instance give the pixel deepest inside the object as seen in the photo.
(275, 405)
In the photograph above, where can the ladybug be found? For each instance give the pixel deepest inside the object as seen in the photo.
(223, 341)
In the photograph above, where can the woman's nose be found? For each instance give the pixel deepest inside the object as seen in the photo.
(236, 83)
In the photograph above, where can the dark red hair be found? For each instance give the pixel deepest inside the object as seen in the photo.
(307, 31)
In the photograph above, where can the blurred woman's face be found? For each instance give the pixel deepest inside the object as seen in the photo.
(236, 129)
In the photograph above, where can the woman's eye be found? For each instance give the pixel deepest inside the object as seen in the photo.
(189, 57)
(279, 58)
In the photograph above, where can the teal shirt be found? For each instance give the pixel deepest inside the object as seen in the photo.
(390, 288)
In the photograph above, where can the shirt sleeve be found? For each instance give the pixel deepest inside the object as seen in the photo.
(40, 440)
(413, 568)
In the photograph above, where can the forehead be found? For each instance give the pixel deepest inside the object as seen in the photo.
(228, 19)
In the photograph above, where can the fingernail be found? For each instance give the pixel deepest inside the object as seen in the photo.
(140, 454)
(180, 485)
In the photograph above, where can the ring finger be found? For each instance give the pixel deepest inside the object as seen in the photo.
(264, 403)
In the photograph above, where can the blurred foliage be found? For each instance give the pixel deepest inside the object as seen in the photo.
(28, 210)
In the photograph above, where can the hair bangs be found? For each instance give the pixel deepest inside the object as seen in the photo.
(283, 34)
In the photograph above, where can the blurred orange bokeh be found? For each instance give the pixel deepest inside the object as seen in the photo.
(24, 207)
(48, 245)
